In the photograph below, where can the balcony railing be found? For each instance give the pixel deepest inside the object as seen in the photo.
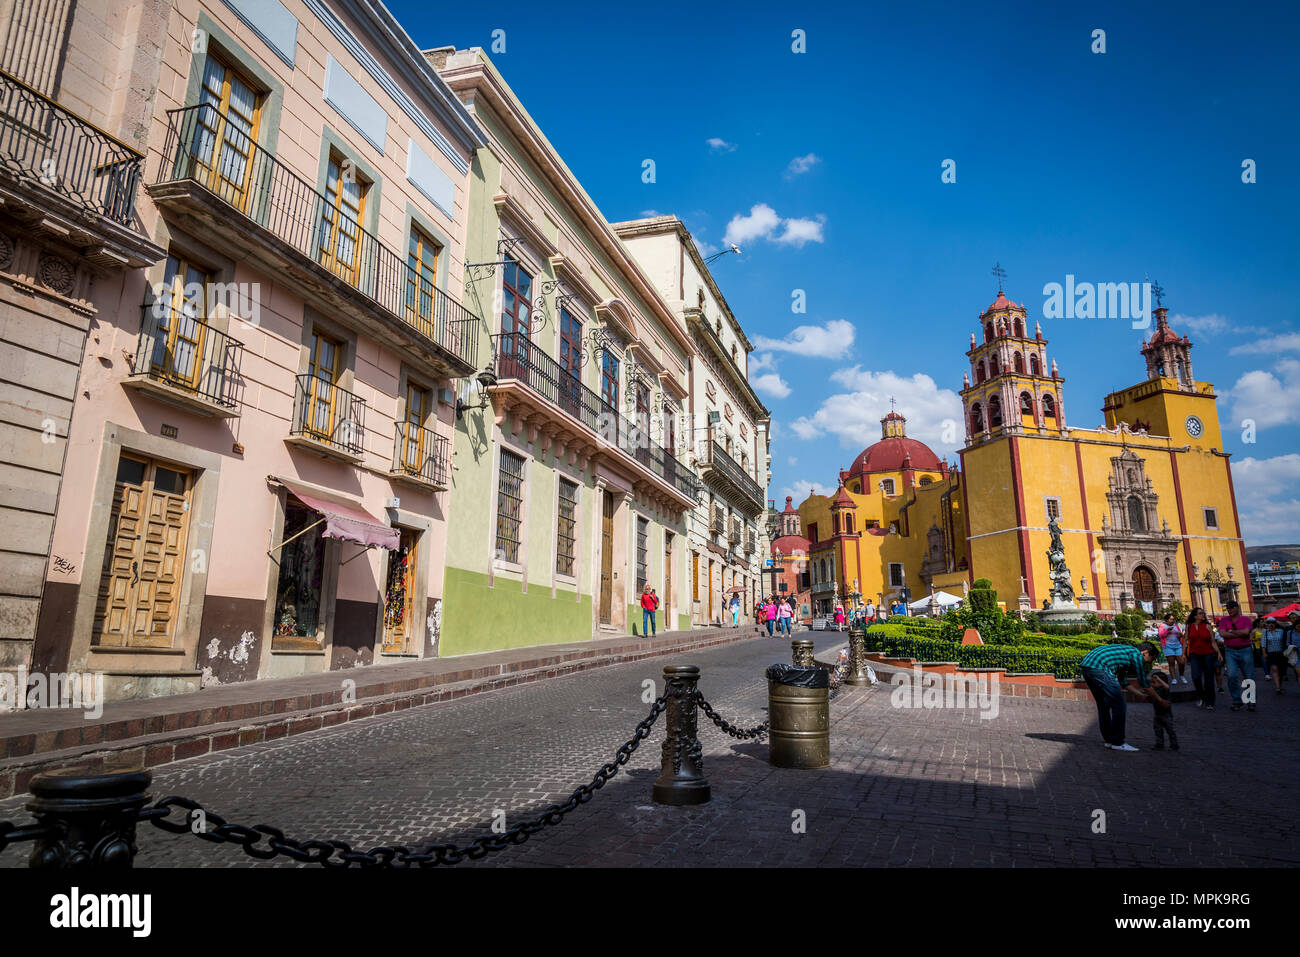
(329, 415)
(186, 353)
(731, 470)
(40, 140)
(517, 357)
(750, 543)
(717, 522)
(204, 147)
(823, 588)
(422, 453)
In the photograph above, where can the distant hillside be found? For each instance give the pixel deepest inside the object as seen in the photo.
(1273, 553)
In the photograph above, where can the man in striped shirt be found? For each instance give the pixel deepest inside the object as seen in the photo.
(1106, 670)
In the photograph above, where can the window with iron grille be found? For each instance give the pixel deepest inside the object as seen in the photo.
(642, 532)
(1053, 508)
(565, 533)
(895, 574)
(510, 499)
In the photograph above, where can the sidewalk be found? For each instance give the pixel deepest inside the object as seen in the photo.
(149, 732)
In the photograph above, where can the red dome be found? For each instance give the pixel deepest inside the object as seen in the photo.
(1002, 302)
(888, 455)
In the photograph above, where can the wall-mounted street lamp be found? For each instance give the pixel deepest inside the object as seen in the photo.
(716, 256)
(486, 380)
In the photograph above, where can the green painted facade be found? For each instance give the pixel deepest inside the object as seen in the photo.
(489, 604)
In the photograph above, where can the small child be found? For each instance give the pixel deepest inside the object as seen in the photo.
(1163, 711)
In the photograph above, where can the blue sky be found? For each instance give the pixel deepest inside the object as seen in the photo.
(825, 167)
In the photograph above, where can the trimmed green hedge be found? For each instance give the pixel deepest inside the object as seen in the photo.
(1045, 655)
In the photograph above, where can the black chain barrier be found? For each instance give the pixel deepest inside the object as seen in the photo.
(727, 726)
(11, 833)
(341, 854)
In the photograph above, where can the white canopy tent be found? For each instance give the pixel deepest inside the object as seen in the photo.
(942, 597)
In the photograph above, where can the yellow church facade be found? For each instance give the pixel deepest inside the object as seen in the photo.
(1144, 503)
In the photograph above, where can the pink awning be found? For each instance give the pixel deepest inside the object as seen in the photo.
(348, 522)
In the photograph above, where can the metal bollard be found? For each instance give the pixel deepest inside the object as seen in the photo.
(799, 735)
(803, 653)
(857, 675)
(92, 818)
(682, 780)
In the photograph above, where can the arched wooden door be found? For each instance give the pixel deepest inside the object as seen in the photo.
(1144, 584)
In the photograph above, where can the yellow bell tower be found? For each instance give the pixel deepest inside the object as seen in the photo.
(1170, 402)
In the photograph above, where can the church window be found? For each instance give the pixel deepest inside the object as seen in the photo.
(988, 332)
(895, 574)
(848, 524)
(887, 486)
(812, 533)
(993, 366)
(976, 418)
(835, 524)
(1020, 328)
(823, 570)
(1019, 362)
(926, 480)
(1034, 367)
(1053, 508)
(1136, 516)
(1049, 407)
(1026, 404)
(980, 375)
(995, 411)
(1211, 517)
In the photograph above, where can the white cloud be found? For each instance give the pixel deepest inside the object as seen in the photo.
(759, 361)
(802, 164)
(791, 460)
(933, 415)
(763, 222)
(1267, 502)
(649, 213)
(832, 340)
(771, 384)
(801, 489)
(800, 231)
(1210, 325)
(1269, 345)
(1268, 398)
(719, 145)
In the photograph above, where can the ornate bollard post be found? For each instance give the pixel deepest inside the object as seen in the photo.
(857, 675)
(92, 817)
(803, 653)
(682, 780)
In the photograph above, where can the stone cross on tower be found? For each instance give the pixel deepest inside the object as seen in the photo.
(1001, 274)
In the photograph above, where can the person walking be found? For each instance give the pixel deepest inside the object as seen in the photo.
(1234, 634)
(769, 615)
(839, 617)
(1162, 704)
(1171, 637)
(1106, 670)
(649, 602)
(784, 613)
(1292, 649)
(735, 611)
(1273, 643)
(869, 613)
(1203, 654)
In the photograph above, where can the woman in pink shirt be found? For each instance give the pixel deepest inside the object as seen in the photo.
(769, 614)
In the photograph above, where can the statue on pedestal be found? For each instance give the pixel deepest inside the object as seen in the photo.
(1062, 591)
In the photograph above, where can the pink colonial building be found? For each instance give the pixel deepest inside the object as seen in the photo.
(248, 465)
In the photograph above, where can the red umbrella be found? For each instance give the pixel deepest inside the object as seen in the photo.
(1283, 612)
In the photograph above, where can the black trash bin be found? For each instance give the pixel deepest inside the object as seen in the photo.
(799, 716)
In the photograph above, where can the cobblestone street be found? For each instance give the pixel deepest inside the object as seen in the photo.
(913, 787)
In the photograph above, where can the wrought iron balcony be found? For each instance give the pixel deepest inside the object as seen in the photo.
(43, 142)
(327, 419)
(320, 241)
(823, 588)
(516, 357)
(751, 544)
(718, 521)
(421, 456)
(185, 361)
(717, 463)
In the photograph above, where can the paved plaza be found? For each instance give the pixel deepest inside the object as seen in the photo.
(906, 787)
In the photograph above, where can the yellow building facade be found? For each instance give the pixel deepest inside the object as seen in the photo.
(1145, 503)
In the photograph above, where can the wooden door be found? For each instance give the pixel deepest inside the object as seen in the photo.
(399, 595)
(607, 559)
(710, 589)
(668, 579)
(144, 558)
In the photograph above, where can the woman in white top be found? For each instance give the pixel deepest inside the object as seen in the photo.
(1171, 637)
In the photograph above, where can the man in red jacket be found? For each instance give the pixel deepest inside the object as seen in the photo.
(649, 603)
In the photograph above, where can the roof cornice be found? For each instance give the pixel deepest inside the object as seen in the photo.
(481, 78)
